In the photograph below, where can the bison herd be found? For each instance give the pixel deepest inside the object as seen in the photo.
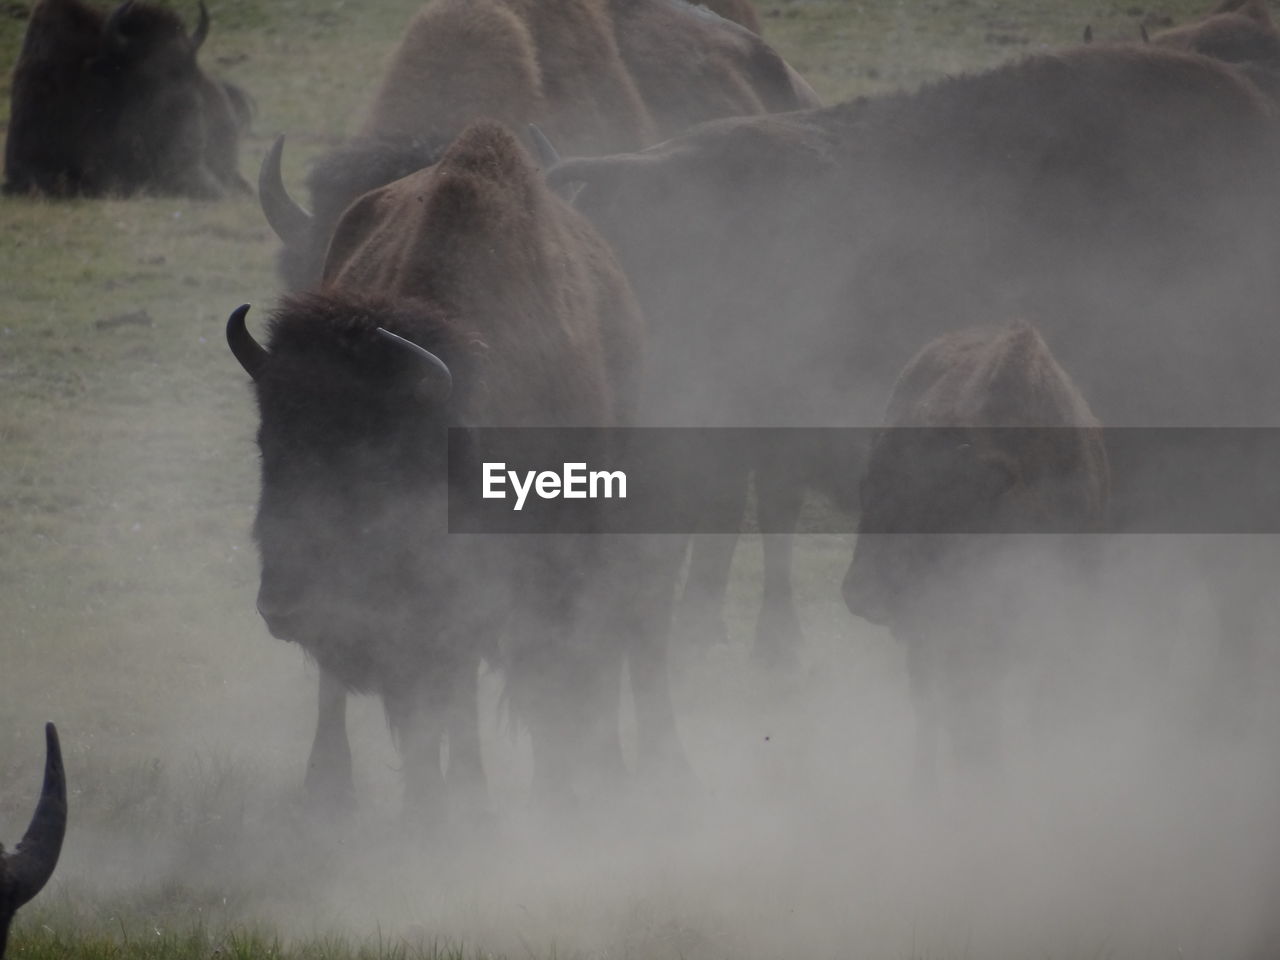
(990, 269)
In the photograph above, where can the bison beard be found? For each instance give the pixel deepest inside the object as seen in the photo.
(24, 872)
(105, 104)
(478, 263)
(956, 599)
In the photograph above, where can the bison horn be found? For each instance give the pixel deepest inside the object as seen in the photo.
(1088, 33)
(111, 28)
(547, 154)
(251, 354)
(291, 223)
(1142, 30)
(202, 28)
(25, 871)
(437, 383)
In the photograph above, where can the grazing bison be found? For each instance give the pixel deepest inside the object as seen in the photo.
(1124, 195)
(464, 295)
(24, 872)
(929, 561)
(116, 104)
(596, 76)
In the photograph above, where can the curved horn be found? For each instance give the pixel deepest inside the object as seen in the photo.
(291, 223)
(31, 864)
(437, 382)
(1142, 31)
(1088, 33)
(111, 26)
(202, 28)
(547, 154)
(251, 354)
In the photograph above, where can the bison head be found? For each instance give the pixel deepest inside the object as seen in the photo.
(27, 869)
(986, 435)
(922, 488)
(353, 437)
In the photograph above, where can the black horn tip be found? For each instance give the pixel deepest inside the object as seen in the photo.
(53, 749)
(202, 26)
(251, 354)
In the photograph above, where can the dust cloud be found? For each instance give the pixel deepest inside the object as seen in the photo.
(1143, 824)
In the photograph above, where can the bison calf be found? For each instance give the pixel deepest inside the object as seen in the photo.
(931, 561)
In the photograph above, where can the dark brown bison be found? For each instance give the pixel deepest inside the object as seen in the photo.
(1236, 31)
(595, 76)
(117, 104)
(946, 477)
(25, 871)
(1123, 195)
(462, 296)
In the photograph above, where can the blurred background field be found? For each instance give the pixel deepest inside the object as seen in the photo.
(127, 578)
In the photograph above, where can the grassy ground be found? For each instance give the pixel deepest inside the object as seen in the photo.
(127, 484)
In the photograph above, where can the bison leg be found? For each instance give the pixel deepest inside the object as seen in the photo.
(468, 793)
(646, 625)
(701, 613)
(779, 495)
(329, 782)
(418, 721)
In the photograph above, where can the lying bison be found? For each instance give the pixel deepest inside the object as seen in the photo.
(117, 104)
(946, 477)
(465, 295)
(25, 871)
(595, 76)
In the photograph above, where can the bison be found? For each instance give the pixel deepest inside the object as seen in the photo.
(117, 104)
(597, 77)
(929, 561)
(25, 871)
(1240, 32)
(463, 296)
(1124, 195)
(1237, 31)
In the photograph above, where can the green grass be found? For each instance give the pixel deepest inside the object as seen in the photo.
(127, 576)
